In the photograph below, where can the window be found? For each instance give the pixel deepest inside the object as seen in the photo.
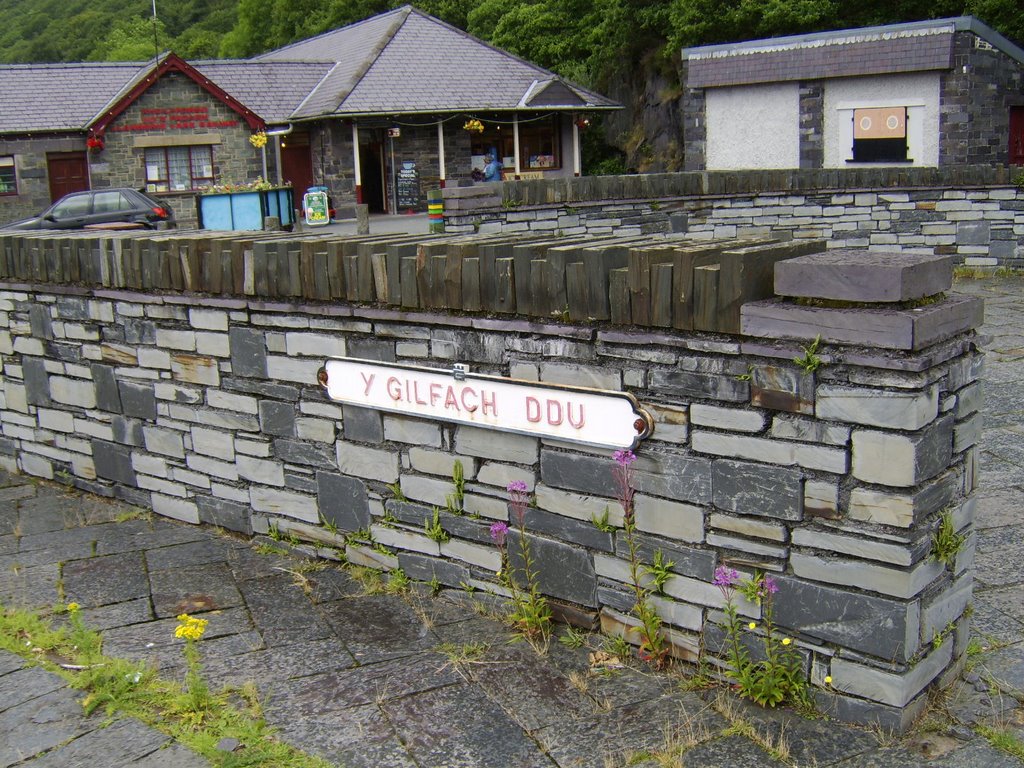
(8, 176)
(110, 202)
(177, 169)
(539, 144)
(880, 135)
(72, 206)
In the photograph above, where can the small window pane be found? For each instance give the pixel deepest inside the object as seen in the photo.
(202, 163)
(109, 202)
(8, 176)
(73, 206)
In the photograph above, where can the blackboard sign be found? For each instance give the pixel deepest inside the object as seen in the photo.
(407, 186)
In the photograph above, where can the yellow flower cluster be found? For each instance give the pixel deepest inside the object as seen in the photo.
(473, 125)
(190, 628)
(258, 140)
(72, 607)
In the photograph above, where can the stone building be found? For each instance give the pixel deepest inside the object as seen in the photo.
(923, 94)
(378, 112)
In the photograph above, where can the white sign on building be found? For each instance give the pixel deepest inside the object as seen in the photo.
(595, 417)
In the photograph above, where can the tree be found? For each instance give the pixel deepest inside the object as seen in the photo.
(132, 39)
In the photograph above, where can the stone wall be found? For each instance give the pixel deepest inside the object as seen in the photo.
(33, 179)
(975, 215)
(835, 479)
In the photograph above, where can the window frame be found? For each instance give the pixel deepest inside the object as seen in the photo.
(163, 184)
(501, 137)
(881, 150)
(12, 186)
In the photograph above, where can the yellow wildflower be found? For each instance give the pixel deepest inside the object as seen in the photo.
(190, 628)
(752, 625)
(73, 607)
(828, 679)
(786, 641)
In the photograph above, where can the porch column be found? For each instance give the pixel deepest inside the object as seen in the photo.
(440, 149)
(277, 159)
(576, 163)
(355, 162)
(515, 137)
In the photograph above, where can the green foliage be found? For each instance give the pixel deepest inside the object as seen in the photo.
(573, 638)
(946, 542)
(810, 361)
(397, 583)
(396, 491)
(779, 676)
(660, 571)
(601, 523)
(433, 528)
(454, 501)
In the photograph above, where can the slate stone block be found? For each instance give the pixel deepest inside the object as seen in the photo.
(40, 321)
(306, 454)
(225, 513)
(113, 462)
(248, 352)
(297, 482)
(372, 349)
(907, 329)
(127, 431)
(973, 233)
(108, 394)
(713, 386)
(563, 571)
(568, 529)
(138, 331)
(37, 381)
(886, 629)
(72, 308)
(688, 561)
(423, 568)
(277, 418)
(457, 525)
(362, 425)
(684, 478)
(262, 388)
(757, 489)
(343, 501)
(901, 460)
(847, 274)
(138, 400)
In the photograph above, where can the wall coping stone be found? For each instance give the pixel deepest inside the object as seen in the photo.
(845, 274)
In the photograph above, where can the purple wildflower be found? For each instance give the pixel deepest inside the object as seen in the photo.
(517, 486)
(725, 577)
(624, 458)
(518, 499)
(498, 532)
(768, 586)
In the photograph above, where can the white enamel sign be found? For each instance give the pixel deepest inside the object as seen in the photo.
(577, 414)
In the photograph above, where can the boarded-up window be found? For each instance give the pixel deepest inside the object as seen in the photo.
(880, 135)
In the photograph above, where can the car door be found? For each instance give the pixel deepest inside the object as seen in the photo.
(109, 206)
(70, 213)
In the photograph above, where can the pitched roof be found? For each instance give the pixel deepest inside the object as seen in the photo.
(399, 62)
(911, 47)
(74, 93)
(406, 61)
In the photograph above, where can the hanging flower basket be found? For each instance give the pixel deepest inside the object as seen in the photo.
(258, 140)
(473, 126)
(94, 143)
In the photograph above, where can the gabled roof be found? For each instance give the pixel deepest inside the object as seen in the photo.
(406, 61)
(399, 62)
(917, 46)
(59, 97)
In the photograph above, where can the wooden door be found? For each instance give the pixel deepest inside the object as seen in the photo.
(1016, 135)
(297, 163)
(68, 172)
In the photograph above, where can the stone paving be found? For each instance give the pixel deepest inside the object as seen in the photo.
(368, 679)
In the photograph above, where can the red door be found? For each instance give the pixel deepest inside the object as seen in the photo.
(297, 163)
(68, 172)
(1016, 135)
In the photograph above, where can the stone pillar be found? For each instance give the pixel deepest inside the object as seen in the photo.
(812, 125)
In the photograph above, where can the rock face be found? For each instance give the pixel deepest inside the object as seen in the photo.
(650, 128)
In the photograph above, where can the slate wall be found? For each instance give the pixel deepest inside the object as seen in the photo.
(834, 480)
(976, 216)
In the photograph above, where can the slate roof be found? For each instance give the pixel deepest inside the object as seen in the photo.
(912, 47)
(399, 62)
(406, 61)
(59, 97)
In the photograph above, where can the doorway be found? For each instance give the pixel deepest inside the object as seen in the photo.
(68, 172)
(371, 167)
(1016, 135)
(297, 163)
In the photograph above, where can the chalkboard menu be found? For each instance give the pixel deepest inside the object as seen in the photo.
(407, 186)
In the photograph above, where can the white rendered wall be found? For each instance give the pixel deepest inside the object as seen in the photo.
(918, 92)
(755, 126)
